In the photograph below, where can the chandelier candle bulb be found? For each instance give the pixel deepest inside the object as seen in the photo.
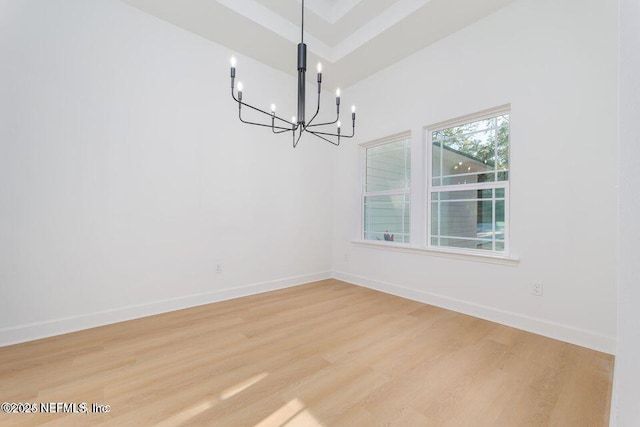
(240, 87)
(337, 96)
(273, 108)
(353, 113)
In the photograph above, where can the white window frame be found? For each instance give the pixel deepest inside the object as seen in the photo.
(363, 184)
(429, 187)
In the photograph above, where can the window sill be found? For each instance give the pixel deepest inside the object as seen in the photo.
(468, 256)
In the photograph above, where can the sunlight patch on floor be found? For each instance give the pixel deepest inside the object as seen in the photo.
(188, 413)
(195, 410)
(232, 391)
(282, 415)
(303, 419)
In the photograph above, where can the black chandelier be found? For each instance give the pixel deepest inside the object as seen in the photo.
(299, 124)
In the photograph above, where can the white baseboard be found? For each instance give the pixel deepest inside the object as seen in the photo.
(557, 331)
(49, 328)
(37, 330)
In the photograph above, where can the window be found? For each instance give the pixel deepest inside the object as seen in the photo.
(468, 190)
(386, 190)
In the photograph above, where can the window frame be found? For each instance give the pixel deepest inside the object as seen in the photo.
(406, 135)
(429, 187)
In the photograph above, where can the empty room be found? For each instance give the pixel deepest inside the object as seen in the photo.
(320, 213)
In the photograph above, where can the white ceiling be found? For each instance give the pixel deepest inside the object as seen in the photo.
(353, 38)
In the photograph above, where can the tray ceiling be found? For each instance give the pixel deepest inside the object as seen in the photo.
(353, 38)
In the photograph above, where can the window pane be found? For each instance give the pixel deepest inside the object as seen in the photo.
(469, 179)
(464, 194)
(386, 218)
(471, 219)
(434, 219)
(466, 219)
(487, 246)
(502, 136)
(465, 243)
(500, 219)
(474, 157)
(388, 166)
(465, 154)
(485, 219)
(467, 128)
(435, 163)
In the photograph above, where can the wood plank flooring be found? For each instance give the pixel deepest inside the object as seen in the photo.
(323, 354)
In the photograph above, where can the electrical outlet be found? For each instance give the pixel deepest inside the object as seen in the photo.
(536, 289)
(219, 268)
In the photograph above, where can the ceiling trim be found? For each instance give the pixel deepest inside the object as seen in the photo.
(272, 21)
(378, 25)
(372, 36)
(331, 13)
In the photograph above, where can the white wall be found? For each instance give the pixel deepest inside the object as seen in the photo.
(556, 64)
(627, 368)
(125, 176)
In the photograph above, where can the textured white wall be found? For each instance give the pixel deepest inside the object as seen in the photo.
(556, 64)
(125, 176)
(627, 368)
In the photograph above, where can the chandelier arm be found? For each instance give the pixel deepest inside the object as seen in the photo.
(353, 131)
(261, 111)
(339, 135)
(322, 137)
(266, 126)
(317, 111)
(262, 124)
(281, 131)
(296, 141)
(328, 123)
(312, 118)
(325, 133)
(273, 128)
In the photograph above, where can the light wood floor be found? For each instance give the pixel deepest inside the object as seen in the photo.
(326, 353)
